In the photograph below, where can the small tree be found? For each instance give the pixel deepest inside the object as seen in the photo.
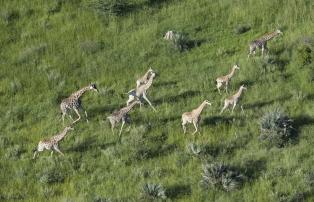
(152, 192)
(276, 128)
(221, 176)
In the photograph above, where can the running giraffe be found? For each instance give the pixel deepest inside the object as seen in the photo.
(224, 80)
(193, 116)
(74, 102)
(233, 100)
(144, 79)
(261, 43)
(121, 115)
(140, 92)
(51, 143)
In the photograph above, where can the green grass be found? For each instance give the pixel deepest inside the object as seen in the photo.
(50, 49)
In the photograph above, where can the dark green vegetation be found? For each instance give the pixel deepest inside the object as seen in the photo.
(49, 49)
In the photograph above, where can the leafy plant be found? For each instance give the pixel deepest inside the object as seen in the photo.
(276, 128)
(221, 176)
(152, 192)
(51, 175)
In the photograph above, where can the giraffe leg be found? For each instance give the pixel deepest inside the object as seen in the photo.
(196, 127)
(51, 153)
(223, 109)
(227, 87)
(35, 153)
(123, 122)
(218, 87)
(57, 150)
(242, 109)
(234, 105)
(79, 116)
(184, 127)
(86, 116)
(144, 96)
(71, 117)
(63, 114)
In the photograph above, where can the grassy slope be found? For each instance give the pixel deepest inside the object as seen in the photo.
(42, 61)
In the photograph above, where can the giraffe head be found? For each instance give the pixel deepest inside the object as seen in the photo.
(278, 31)
(207, 102)
(236, 66)
(68, 128)
(92, 86)
(242, 87)
(153, 75)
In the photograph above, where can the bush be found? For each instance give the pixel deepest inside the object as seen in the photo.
(31, 52)
(276, 128)
(181, 41)
(218, 175)
(304, 55)
(51, 175)
(14, 152)
(91, 47)
(152, 192)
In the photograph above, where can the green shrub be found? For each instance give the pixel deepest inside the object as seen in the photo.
(151, 192)
(10, 16)
(276, 128)
(180, 41)
(14, 152)
(304, 55)
(31, 53)
(91, 47)
(221, 176)
(51, 175)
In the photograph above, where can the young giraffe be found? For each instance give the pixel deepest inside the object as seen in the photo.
(141, 91)
(224, 80)
(121, 115)
(261, 43)
(144, 79)
(74, 102)
(193, 116)
(233, 100)
(51, 143)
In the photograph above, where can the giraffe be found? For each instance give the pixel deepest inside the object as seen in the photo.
(261, 43)
(224, 80)
(141, 91)
(51, 143)
(233, 100)
(74, 102)
(144, 79)
(121, 115)
(193, 116)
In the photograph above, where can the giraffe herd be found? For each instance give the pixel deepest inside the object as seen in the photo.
(139, 94)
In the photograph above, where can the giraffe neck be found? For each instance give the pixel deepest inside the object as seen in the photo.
(146, 75)
(269, 36)
(238, 94)
(80, 92)
(125, 110)
(149, 83)
(231, 73)
(199, 110)
(61, 135)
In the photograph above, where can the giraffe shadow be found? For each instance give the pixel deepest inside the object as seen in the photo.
(102, 110)
(217, 120)
(169, 119)
(298, 123)
(166, 84)
(178, 190)
(83, 146)
(176, 98)
(264, 103)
